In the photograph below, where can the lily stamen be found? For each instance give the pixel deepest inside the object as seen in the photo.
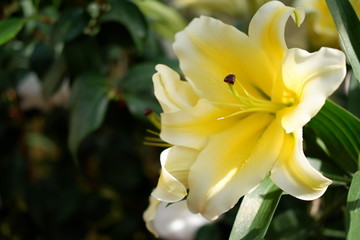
(248, 103)
(155, 141)
(153, 118)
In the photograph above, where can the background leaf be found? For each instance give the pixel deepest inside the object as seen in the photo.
(70, 25)
(9, 28)
(127, 14)
(164, 19)
(88, 102)
(256, 211)
(348, 26)
(78, 57)
(107, 50)
(339, 131)
(54, 76)
(353, 208)
(138, 87)
(353, 99)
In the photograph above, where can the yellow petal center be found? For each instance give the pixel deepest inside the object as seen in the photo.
(249, 103)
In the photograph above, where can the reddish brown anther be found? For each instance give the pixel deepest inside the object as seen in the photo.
(148, 111)
(230, 79)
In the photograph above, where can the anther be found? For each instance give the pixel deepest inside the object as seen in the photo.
(230, 79)
(148, 111)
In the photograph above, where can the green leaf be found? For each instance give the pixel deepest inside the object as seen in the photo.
(9, 28)
(256, 212)
(83, 54)
(70, 25)
(164, 19)
(128, 14)
(209, 231)
(353, 208)
(353, 98)
(53, 77)
(348, 26)
(41, 58)
(88, 105)
(339, 131)
(330, 171)
(292, 222)
(138, 87)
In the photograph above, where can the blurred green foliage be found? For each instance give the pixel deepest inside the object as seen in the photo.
(92, 45)
(78, 168)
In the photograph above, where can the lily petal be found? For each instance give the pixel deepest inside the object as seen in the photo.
(267, 28)
(172, 93)
(221, 176)
(190, 127)
(312, 77)
(150, 214)
(207, 57)
(294, 174)
(173, 221)
(175, 162)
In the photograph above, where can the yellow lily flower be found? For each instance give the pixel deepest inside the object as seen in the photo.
(321, 27)
(239, 115)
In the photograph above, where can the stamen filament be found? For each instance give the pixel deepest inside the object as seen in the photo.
(154, 144)
(228, 104)
(153, 139)
(233, 91)
(153, 132)
(153, 118)
(258, 109)
(247, 103)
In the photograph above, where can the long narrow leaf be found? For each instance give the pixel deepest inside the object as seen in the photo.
(256, 211)
(348, 26)
(353, 208)
(340, 131)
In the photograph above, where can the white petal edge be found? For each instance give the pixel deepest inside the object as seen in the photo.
(293, 172)
(267, 27)
(150, 214)
(172, 93)
(175, 165)
(175, 221)
(313, 77)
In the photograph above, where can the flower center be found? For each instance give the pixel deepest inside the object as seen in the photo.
(247, 102)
